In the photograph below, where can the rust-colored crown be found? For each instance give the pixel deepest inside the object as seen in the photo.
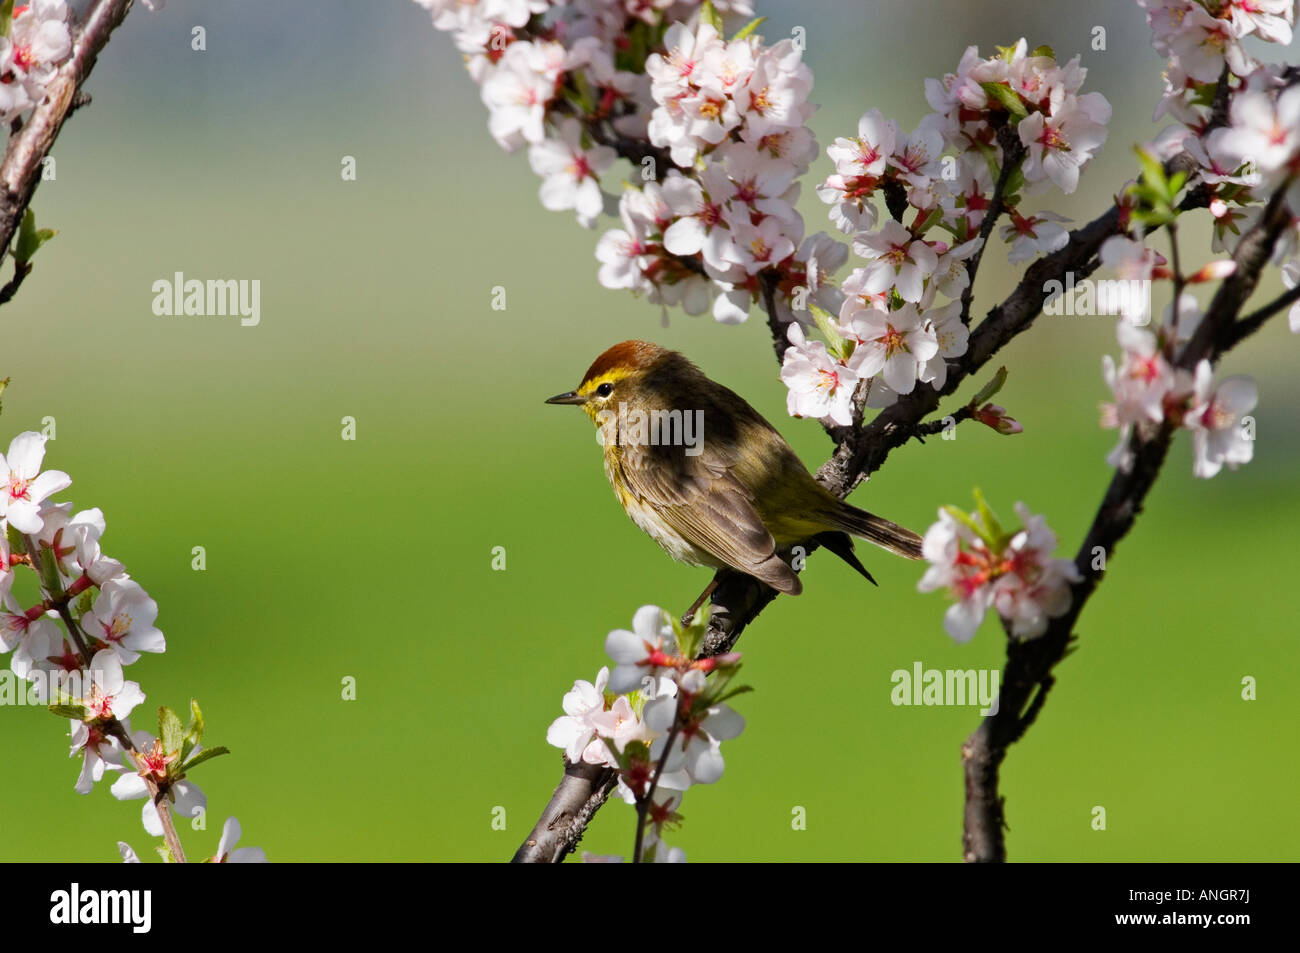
(630, 355)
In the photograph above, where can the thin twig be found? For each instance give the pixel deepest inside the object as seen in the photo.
(1234, 334)
(21, 270)
(643, 804)
(1013, 153)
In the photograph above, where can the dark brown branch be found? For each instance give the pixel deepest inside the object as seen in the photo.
(21, 271)
(633, 150)
(1027, 674)
(767, 282)
(1235, 333)
(930, 428)
(895, 194)
(1013, 153)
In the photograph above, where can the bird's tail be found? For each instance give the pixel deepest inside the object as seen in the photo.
(876, 529)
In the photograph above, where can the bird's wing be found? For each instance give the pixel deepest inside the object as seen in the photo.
(702, 500)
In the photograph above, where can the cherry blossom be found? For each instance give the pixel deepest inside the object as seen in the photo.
(896, 259)
(1140, 385)
(868, 153)
(1033, 234)
(646, 652)
(108, 696)
(819, 386)
(893, 344)
(575, 731)
(571, 172)
(123, 617)
(23, 487)
(1265, 133)
(951, 336)
(1219, 435)
(1060, 145)
(982, 567)
(150, 761)
(228, 853)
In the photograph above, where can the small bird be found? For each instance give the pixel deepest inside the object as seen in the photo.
(707, 477)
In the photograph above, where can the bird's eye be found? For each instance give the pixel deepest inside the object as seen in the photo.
(605, 389)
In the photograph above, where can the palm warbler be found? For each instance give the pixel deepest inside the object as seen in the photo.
(707, 477)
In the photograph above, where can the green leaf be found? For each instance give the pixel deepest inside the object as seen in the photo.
(710, 16)
(991, 388)
(1007, 98)
(738, 690)
(6, 17)
(30, 238)
(204, 755)
(50, 580)
(990, 158)
(688, 637)
(1156, 193)
(581, 95)
(836, 344)
(1043, 50)
(1205, 93)
(195, 730)
(170, 731)
(1015, 182)
(69, 711)
(994, 528)
(749, 28)
(3, 384)
(1152, 170)
(17, 542)
(934, 218)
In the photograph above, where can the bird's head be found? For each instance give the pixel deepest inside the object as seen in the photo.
(618, 375)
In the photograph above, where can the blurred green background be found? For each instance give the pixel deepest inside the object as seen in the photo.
(372, 558)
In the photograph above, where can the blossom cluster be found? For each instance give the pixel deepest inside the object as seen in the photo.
(1241, 158)
(1148, 389)
(982, 566)
(36, 42)
(892, 331)
(716, 126)
(656, 718)
(731, 115)
(1242, 162)
(82, 676)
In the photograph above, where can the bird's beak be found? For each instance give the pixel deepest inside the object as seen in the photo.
(572, 397)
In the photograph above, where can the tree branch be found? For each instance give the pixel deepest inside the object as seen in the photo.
(20, 172)
(580, 793)
(1235, 333)
(1027, 674)
(1013, 153)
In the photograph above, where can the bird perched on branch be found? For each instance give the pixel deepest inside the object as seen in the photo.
(707, 477)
